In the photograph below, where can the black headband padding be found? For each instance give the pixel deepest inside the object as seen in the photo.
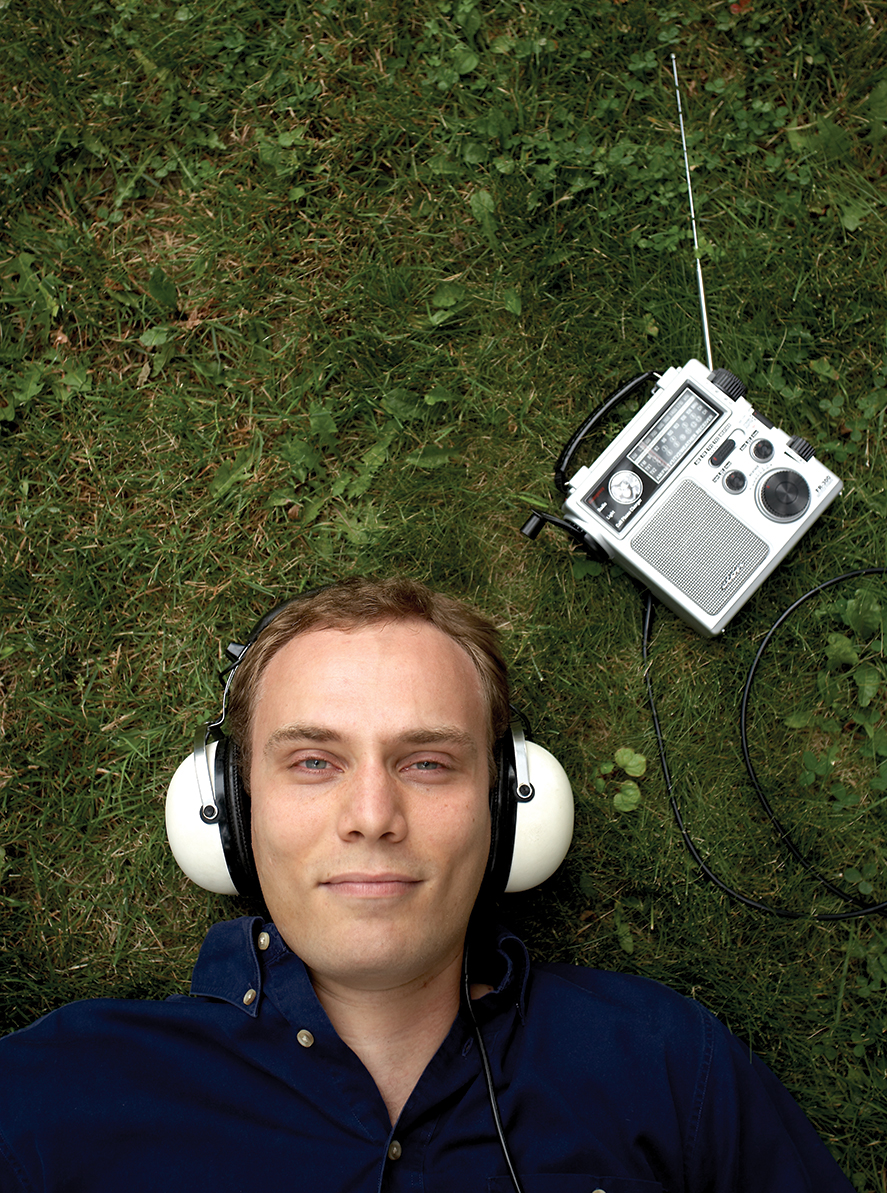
(503, 819)
(234, 820)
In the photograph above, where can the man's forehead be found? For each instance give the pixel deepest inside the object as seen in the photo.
(410, 636)
(370, 683)
(322, 654)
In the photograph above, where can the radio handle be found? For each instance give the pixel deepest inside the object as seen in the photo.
(621, 394)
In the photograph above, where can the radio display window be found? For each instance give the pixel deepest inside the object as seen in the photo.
(662, 447)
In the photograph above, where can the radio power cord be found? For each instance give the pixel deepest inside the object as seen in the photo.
(862, 908)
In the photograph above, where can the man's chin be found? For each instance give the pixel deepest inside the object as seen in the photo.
(380, 962)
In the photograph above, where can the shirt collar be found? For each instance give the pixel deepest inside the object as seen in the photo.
(500, 959)
(228, 965)
(233, 962)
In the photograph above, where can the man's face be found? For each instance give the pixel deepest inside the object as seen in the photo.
(370, 800)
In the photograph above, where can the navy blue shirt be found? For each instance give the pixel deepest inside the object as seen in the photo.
(604, 1082)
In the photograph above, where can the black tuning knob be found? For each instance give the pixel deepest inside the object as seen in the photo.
(729, 383)
(784, 495)
(804, 449)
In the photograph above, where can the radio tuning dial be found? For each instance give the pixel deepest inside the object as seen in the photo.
(728, 383)
(625, 487)
(804, 449)
(784, 495)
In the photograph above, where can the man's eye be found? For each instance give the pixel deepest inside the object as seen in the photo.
(314, 763)
(427, 764)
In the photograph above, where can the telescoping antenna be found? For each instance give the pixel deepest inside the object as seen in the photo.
(674, 67)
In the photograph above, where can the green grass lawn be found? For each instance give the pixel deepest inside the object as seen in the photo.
(295, 291)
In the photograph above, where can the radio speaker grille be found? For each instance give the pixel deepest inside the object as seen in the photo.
(701, 548)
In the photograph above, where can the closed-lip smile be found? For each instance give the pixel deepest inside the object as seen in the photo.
(368, 885)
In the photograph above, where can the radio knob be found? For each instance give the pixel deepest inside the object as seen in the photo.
(762, 449)
(734, 482)
(625, 487)
(728, 383)
(784, 495)
(804, 449)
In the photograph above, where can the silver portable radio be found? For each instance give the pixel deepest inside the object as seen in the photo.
(700, 496)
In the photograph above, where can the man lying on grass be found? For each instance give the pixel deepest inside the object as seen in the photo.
(369, 785)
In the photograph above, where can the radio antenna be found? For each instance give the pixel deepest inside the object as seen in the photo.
(674, 67)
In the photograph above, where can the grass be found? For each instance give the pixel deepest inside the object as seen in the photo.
(290, 292)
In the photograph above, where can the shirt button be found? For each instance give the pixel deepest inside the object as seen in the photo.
(249, 997)
(263, 941)
(395, 1151)
(305, 1038)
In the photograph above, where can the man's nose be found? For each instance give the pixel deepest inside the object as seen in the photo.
(372, 805)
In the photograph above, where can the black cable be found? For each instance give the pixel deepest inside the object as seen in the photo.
(488, 1075)
(743, 730)
(669, 786)
(537, 518)
(624, 391)
(864, 909)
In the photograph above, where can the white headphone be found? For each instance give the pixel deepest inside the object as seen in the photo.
(208, 810)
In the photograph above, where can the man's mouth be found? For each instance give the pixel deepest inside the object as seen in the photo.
(368, 885)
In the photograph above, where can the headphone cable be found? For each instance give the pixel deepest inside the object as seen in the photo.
(488, 1074)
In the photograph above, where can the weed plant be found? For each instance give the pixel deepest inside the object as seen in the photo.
(295, 291)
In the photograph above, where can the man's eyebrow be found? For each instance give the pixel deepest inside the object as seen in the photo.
(423, 736)
(442, 735)
(292, 733)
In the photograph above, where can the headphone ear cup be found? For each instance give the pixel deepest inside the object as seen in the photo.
(196, 843)
(215, 854)
(543, 824)
(529, 837)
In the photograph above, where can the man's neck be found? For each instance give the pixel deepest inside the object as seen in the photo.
(395, 1032)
